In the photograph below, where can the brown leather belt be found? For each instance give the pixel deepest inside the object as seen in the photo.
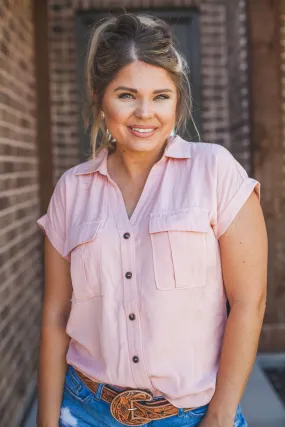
(133, 407)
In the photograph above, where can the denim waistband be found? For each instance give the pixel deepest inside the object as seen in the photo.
(101, 385)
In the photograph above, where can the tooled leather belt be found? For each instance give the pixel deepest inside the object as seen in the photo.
(133, 407)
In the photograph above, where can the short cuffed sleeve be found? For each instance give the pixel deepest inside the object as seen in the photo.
(233, 189)
(53, 222)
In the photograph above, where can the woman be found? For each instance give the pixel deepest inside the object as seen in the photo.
(146, 240)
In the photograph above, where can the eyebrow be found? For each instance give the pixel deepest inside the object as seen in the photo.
(130, 89)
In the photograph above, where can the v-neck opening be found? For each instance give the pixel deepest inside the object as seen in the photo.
(134, 217)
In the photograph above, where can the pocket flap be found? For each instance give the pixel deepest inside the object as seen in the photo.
(189, 219)
(81, 233)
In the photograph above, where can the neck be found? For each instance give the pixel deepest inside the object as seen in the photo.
(134, 164)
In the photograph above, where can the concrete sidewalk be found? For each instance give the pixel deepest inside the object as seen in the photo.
(260, 404)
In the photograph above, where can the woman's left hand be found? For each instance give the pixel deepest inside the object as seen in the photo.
(211, 421)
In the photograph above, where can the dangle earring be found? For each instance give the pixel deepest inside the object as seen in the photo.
(107, 130)
(110, 136)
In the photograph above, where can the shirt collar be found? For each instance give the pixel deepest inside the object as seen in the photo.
(176, 148)
(99, 164)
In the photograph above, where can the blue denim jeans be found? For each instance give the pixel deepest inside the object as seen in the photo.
(81, 407)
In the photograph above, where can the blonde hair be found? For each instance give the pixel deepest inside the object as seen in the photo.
(119, 41)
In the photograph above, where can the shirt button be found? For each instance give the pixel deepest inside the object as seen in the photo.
(132, 316)
(128, 275)
(136, 359)
(126, 236)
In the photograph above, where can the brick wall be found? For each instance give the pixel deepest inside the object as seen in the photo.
(267, 129)
(214, 81)
(20, 270)
(237, 73)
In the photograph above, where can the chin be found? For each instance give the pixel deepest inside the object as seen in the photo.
(145, 146)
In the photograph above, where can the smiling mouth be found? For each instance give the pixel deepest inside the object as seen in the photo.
(142, 131)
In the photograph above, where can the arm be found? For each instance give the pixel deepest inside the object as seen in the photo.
(53, 340)
(243, 249)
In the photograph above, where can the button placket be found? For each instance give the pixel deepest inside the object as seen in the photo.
(130, 290)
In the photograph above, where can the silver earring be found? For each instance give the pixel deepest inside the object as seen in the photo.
(102, 115)
(110, 136)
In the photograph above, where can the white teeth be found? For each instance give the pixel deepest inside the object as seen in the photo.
(142, 130)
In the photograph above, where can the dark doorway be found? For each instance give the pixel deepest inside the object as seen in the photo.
(185, 25)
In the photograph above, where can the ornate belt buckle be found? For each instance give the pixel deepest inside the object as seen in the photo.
(123, 409)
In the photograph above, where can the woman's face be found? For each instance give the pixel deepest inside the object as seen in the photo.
(139, 107)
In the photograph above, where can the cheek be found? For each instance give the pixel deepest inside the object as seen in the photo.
(116, 113)
(168, 116)
(167, 110)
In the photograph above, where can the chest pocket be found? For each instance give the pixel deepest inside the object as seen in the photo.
(179, 245)
(83, 247)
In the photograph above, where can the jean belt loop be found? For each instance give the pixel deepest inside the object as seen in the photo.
(99, 391)
(180, 412)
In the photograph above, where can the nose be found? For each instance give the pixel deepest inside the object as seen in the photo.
(144, 110)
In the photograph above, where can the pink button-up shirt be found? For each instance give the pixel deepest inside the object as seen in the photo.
(150, 286)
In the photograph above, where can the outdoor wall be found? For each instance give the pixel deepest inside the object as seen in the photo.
(267, 38)
(238, 85)
(20, 270)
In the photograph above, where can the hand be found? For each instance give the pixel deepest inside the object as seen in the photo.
(211, 421)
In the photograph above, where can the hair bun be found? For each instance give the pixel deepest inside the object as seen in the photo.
(128, 25)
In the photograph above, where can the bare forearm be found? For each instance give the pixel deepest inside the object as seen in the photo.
(51, 374)
(237, 357)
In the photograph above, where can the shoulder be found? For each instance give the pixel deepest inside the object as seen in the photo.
(216, 155)
(201, 150)
(66, 187)
(206, 154)
(83, 167)
(209, 150)
(70, 175)
(221, 153)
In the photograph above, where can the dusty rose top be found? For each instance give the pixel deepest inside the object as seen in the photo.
(148, 307)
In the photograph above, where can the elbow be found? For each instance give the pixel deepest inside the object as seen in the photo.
(254, 306)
